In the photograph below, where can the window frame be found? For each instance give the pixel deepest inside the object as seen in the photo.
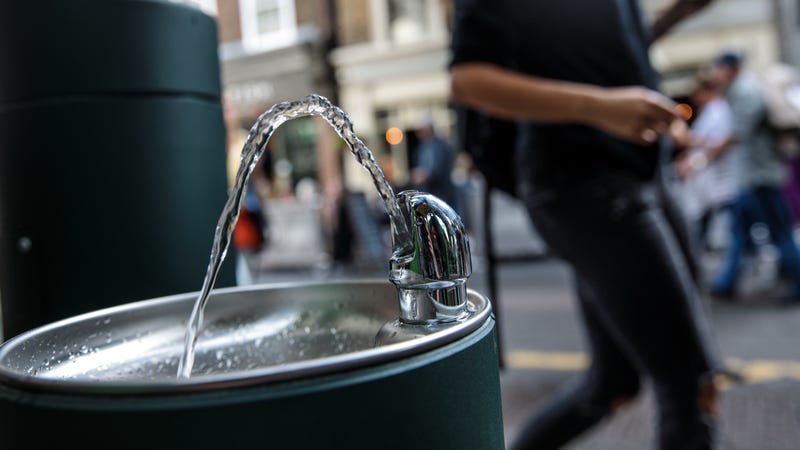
(252, 39)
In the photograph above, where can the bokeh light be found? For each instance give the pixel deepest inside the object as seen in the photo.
(394, 135)
(684, 110)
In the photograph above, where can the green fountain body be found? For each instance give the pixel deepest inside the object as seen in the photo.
(112, 155)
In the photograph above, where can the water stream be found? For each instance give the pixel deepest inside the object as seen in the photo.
(254, 147)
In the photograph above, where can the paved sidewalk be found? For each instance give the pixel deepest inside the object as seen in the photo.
(752, 416)
(544, 348)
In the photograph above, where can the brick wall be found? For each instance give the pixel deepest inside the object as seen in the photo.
(312, 12)
(228, 21)
(354, 17)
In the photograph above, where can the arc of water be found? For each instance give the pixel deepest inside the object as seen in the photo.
(254, 147)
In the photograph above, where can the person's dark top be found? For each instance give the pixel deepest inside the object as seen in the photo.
(599, 42)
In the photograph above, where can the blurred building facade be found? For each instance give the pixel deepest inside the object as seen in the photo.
(273, 51)
(748, 26)
(276, 50)
(391, 60)
(391, 71)
(385, 61)
(787, 13)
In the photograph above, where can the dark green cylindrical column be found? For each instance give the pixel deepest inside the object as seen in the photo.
(112, 155)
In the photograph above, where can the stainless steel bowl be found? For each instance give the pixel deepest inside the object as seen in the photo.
(251, 335)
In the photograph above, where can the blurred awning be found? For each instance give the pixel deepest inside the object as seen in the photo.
(257, 81)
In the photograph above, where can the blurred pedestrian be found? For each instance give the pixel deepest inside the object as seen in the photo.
(706, 167)
(250, 235)
(433, 168)
(577, 77)
(763, 174)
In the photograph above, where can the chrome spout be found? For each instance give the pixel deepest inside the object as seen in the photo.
(431, 282)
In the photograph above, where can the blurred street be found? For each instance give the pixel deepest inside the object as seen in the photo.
(544, 348)
(149, 104)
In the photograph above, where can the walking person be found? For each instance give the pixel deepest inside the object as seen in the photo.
(249, 236)
(707, 168)
(434, 164)
(576, 75)
(763, 175)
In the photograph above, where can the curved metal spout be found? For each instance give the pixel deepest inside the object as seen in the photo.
(431, 281)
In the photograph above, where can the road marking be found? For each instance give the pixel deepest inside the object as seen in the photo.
(526, 359)
(751, 370)
(763, 370)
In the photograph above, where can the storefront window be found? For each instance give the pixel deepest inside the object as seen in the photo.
(268, 16)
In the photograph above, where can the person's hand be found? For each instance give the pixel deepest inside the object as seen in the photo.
(682, 166)
(635, 114)
(689, 163)
(680, 133)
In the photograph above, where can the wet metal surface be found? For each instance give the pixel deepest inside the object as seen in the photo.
(251, 335)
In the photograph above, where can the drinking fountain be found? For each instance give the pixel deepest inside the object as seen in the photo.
(408, 362)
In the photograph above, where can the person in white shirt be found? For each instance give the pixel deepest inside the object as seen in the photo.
(708, 169)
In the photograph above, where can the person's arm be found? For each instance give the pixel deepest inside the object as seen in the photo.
(636, 114)
(691, 162)
(712, 146)
(673, 15)
(714, 152)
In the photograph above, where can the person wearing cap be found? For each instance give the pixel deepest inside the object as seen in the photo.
(762, 175)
